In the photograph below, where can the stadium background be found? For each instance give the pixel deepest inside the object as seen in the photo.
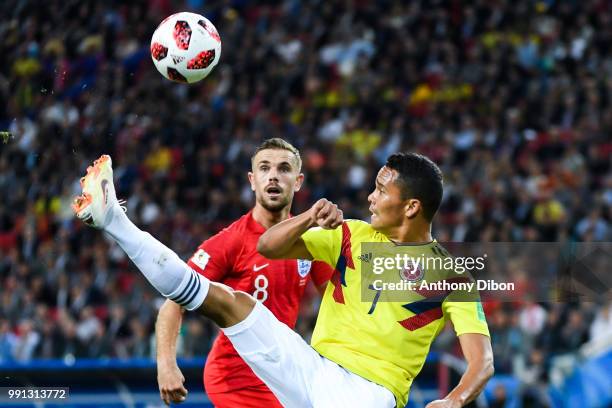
(513, 99)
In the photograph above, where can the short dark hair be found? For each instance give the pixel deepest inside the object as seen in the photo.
(419, 178)
(279, 144)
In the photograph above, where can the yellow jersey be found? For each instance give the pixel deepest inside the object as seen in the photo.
(385, 342)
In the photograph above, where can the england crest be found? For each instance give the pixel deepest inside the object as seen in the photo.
(303, 267)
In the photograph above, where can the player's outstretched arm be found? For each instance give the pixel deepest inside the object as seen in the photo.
(282, 241)
(479, 355)
(169, 377)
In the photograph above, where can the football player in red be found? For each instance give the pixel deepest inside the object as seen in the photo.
(230, 257)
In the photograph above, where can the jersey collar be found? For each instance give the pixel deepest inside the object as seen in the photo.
(433, 241)
(256, 226)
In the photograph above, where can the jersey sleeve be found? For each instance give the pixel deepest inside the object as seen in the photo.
(321, 273)
(214, 258)
(467, 317)
(323, 244)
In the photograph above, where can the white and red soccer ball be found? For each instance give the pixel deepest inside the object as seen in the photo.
(185, 47)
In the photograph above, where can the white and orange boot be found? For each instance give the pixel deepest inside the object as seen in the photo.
(96, 204)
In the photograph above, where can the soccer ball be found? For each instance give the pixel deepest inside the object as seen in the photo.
(185, 47)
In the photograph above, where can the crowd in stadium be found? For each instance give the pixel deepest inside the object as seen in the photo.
(512, 99)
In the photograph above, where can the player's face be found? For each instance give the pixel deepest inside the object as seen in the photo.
(386, 204)
(275, 178)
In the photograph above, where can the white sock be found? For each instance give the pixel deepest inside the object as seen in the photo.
(172, 277)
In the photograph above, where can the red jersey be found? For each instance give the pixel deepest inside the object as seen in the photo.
(230, 257)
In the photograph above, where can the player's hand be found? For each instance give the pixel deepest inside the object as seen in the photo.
(443, 403)
(170, 381)
(326, 214)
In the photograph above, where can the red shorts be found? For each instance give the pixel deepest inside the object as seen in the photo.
(244, 398)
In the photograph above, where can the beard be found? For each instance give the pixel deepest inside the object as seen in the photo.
(274, 206)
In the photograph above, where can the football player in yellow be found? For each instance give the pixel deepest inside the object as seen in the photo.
(363, 354)
(385, 342)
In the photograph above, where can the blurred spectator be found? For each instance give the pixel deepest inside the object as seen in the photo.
(137, 345)
(600, 332)
(602, 324)
(8, 339)
(500, 397)
(196, 335)
(507, 342)
(52, 338)
(574, 332)
(593, 227)
(26, 342)
(549, 338)
(532, 374)
(100, 345)
(532, 318)
(88, 325)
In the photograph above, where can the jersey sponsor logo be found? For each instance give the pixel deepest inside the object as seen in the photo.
(303, 267)
(259, 268)
(200, 258)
